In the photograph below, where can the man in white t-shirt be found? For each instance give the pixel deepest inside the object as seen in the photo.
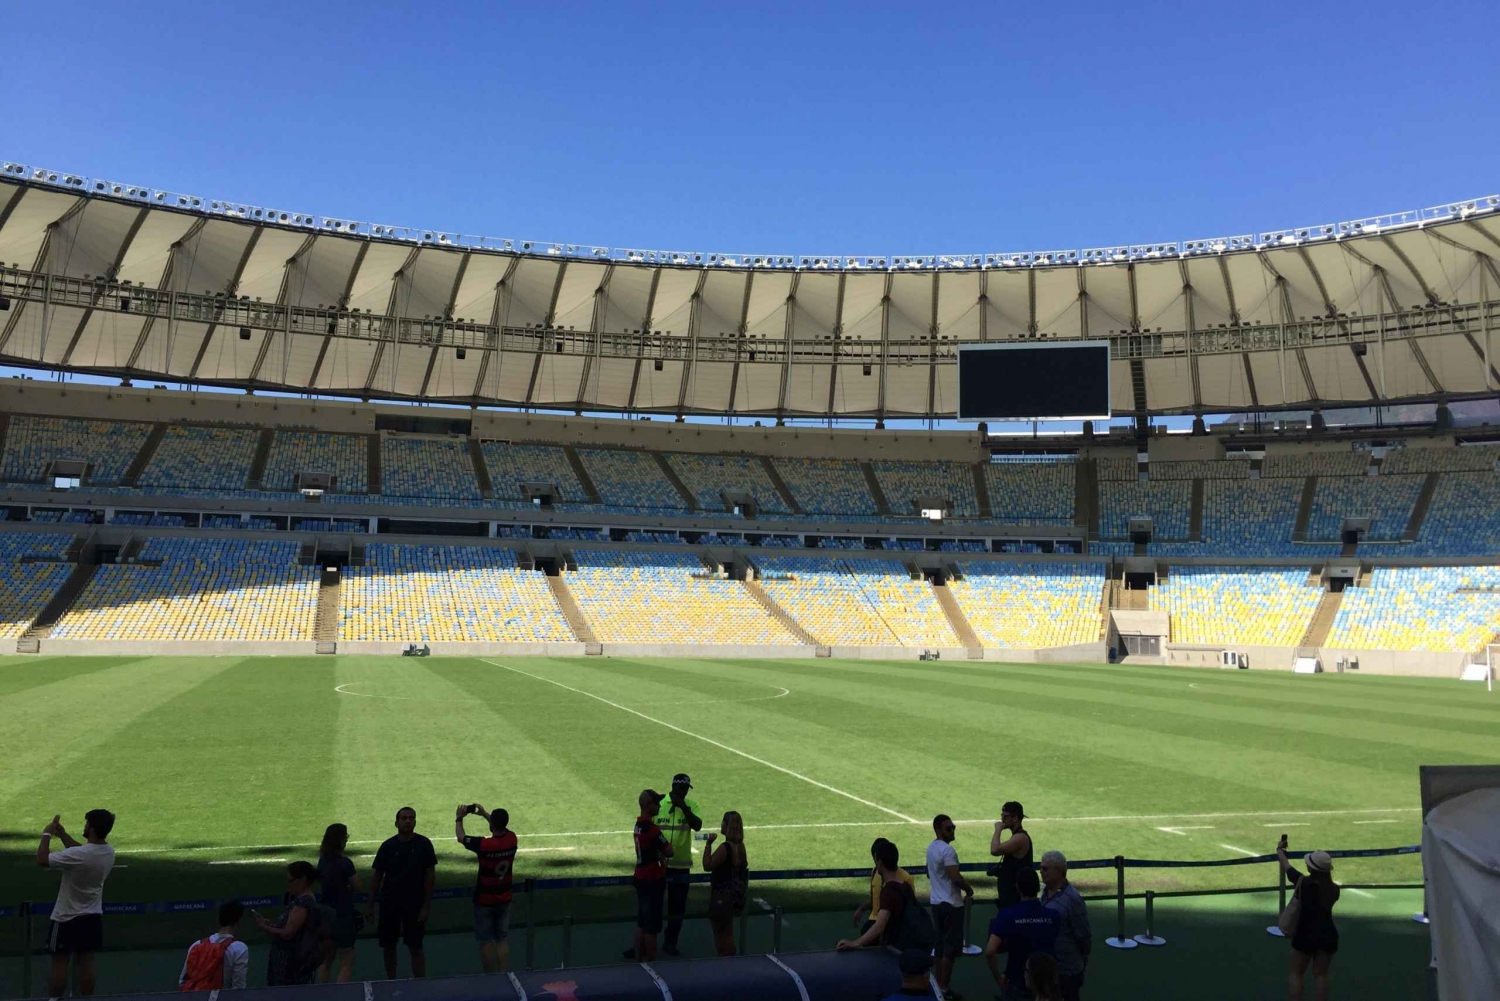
(949, 890)
(78, 916)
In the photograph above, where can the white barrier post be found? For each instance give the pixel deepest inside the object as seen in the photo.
(1120, 940)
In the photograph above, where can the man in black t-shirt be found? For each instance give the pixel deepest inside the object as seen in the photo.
(404, 871)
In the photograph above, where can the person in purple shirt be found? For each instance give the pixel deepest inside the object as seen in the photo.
(1028, 927)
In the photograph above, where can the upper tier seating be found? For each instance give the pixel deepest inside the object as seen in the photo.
(1420, 608)
(1342, 463)
(1031, 493)
(414, 594)
(635, 597)
(1465, 458)
(1207, 469)
(188, 457)
(904, 482)
(1386, 500)
(708, 476)
(107, 446)
(25, 588)
(1463, 519)
(1253, 518)
(1123, 468)
(205, 589)
(419, 466)
(857, 602)
(1031, 605)
(1264, 606)
(512, 465)
(1168, 503)
(827, 486)
(346, 456)
(631, 479)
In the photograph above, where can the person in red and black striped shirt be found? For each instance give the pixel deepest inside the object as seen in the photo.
(497, 855)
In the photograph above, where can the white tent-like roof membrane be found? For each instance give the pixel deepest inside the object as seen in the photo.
(139, 283)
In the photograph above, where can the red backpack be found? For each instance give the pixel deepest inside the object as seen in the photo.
(205, 965)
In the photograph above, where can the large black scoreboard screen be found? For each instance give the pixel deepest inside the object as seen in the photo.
(1027, 382)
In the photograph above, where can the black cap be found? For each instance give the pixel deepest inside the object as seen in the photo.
(914, 962)
(681, 779)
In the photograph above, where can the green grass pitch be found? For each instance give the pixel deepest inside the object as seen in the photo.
(233, 760)
(220, 769)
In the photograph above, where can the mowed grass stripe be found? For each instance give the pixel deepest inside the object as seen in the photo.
(1046, 732)
(1460, 701)
(978, 752)
(1270, 729)
(50, 732)
(451, 744)
(235, 747)
(17, 676)
(719, 746)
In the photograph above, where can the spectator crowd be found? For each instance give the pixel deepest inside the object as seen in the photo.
(1037, 947)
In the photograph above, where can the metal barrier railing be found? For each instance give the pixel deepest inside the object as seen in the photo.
(530, 889)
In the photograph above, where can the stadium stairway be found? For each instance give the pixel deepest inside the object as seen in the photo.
(780, 485)
(676, 481)
(1086, 498)
(143, 457)
(1304, 509)
(40, 629)
(583, 474)
(981, 491)
(1322, 619)
(372, 463)
(258, 464)
(957, 620)
(1419, 509)
(778, 613)
(481, 471)
(1195, 512)
(4, 429)
(572, 612)
(882, 506)
(326, 624)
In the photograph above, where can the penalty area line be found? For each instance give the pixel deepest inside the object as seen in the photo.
(709, 740)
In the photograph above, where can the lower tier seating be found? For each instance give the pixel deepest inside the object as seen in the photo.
(418, 594)
(1262, 606)
(1031, 605)
(857, 602)
(204, 589)
(1420, 608)
(25, 588)
(632, 597)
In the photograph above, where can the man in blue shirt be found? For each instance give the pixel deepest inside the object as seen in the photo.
(1018, 932)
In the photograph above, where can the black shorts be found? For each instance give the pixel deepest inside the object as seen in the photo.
(948, 922)
(650, 898)
(85, 933)
(398, 921)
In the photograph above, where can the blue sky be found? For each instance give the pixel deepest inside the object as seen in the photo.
(869, 128)
(773, 128)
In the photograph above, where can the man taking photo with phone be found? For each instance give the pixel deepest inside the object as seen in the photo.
(497, 856)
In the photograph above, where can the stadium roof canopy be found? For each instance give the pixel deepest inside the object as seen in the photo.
(135, 282)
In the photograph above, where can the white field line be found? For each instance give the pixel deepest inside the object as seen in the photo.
(1123, 818)
(709, 740)
(245, 861)
(1243, 851)
(1377, 821)
(1180, 831)
(781, 693)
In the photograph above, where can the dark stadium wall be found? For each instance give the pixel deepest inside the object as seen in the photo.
(139, 404)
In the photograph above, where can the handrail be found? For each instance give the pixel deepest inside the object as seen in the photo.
(768, 875)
